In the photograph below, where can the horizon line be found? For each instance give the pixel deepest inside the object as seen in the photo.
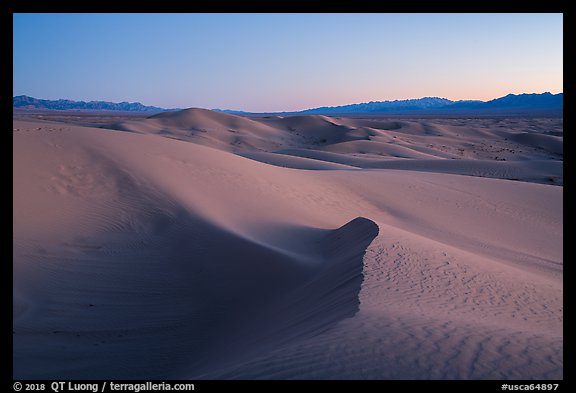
(290, 111)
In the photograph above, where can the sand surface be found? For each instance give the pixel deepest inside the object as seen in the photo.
(202, 245)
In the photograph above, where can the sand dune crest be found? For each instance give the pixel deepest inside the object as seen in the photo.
(202, 245)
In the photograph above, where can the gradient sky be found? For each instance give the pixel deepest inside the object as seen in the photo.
(283, 62)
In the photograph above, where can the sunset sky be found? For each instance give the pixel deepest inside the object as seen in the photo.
(283, 62)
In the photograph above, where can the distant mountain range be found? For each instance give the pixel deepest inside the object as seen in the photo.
(25, 102)
(511, 104)
(426, 103)
(521, 104)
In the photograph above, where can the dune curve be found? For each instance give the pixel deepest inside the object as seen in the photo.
(170, 251)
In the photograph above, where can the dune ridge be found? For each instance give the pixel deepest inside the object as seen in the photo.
(375, 143)
(202, 245)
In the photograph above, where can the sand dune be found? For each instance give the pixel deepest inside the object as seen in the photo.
(202, 245)
(371, 143)
(550, 143)
(294, 161)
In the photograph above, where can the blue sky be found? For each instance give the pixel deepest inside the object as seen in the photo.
(276, 62)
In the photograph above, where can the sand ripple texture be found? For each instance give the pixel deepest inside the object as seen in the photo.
(201, 245)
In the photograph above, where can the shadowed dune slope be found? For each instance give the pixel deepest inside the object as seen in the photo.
(143, 255)
(115, 271)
